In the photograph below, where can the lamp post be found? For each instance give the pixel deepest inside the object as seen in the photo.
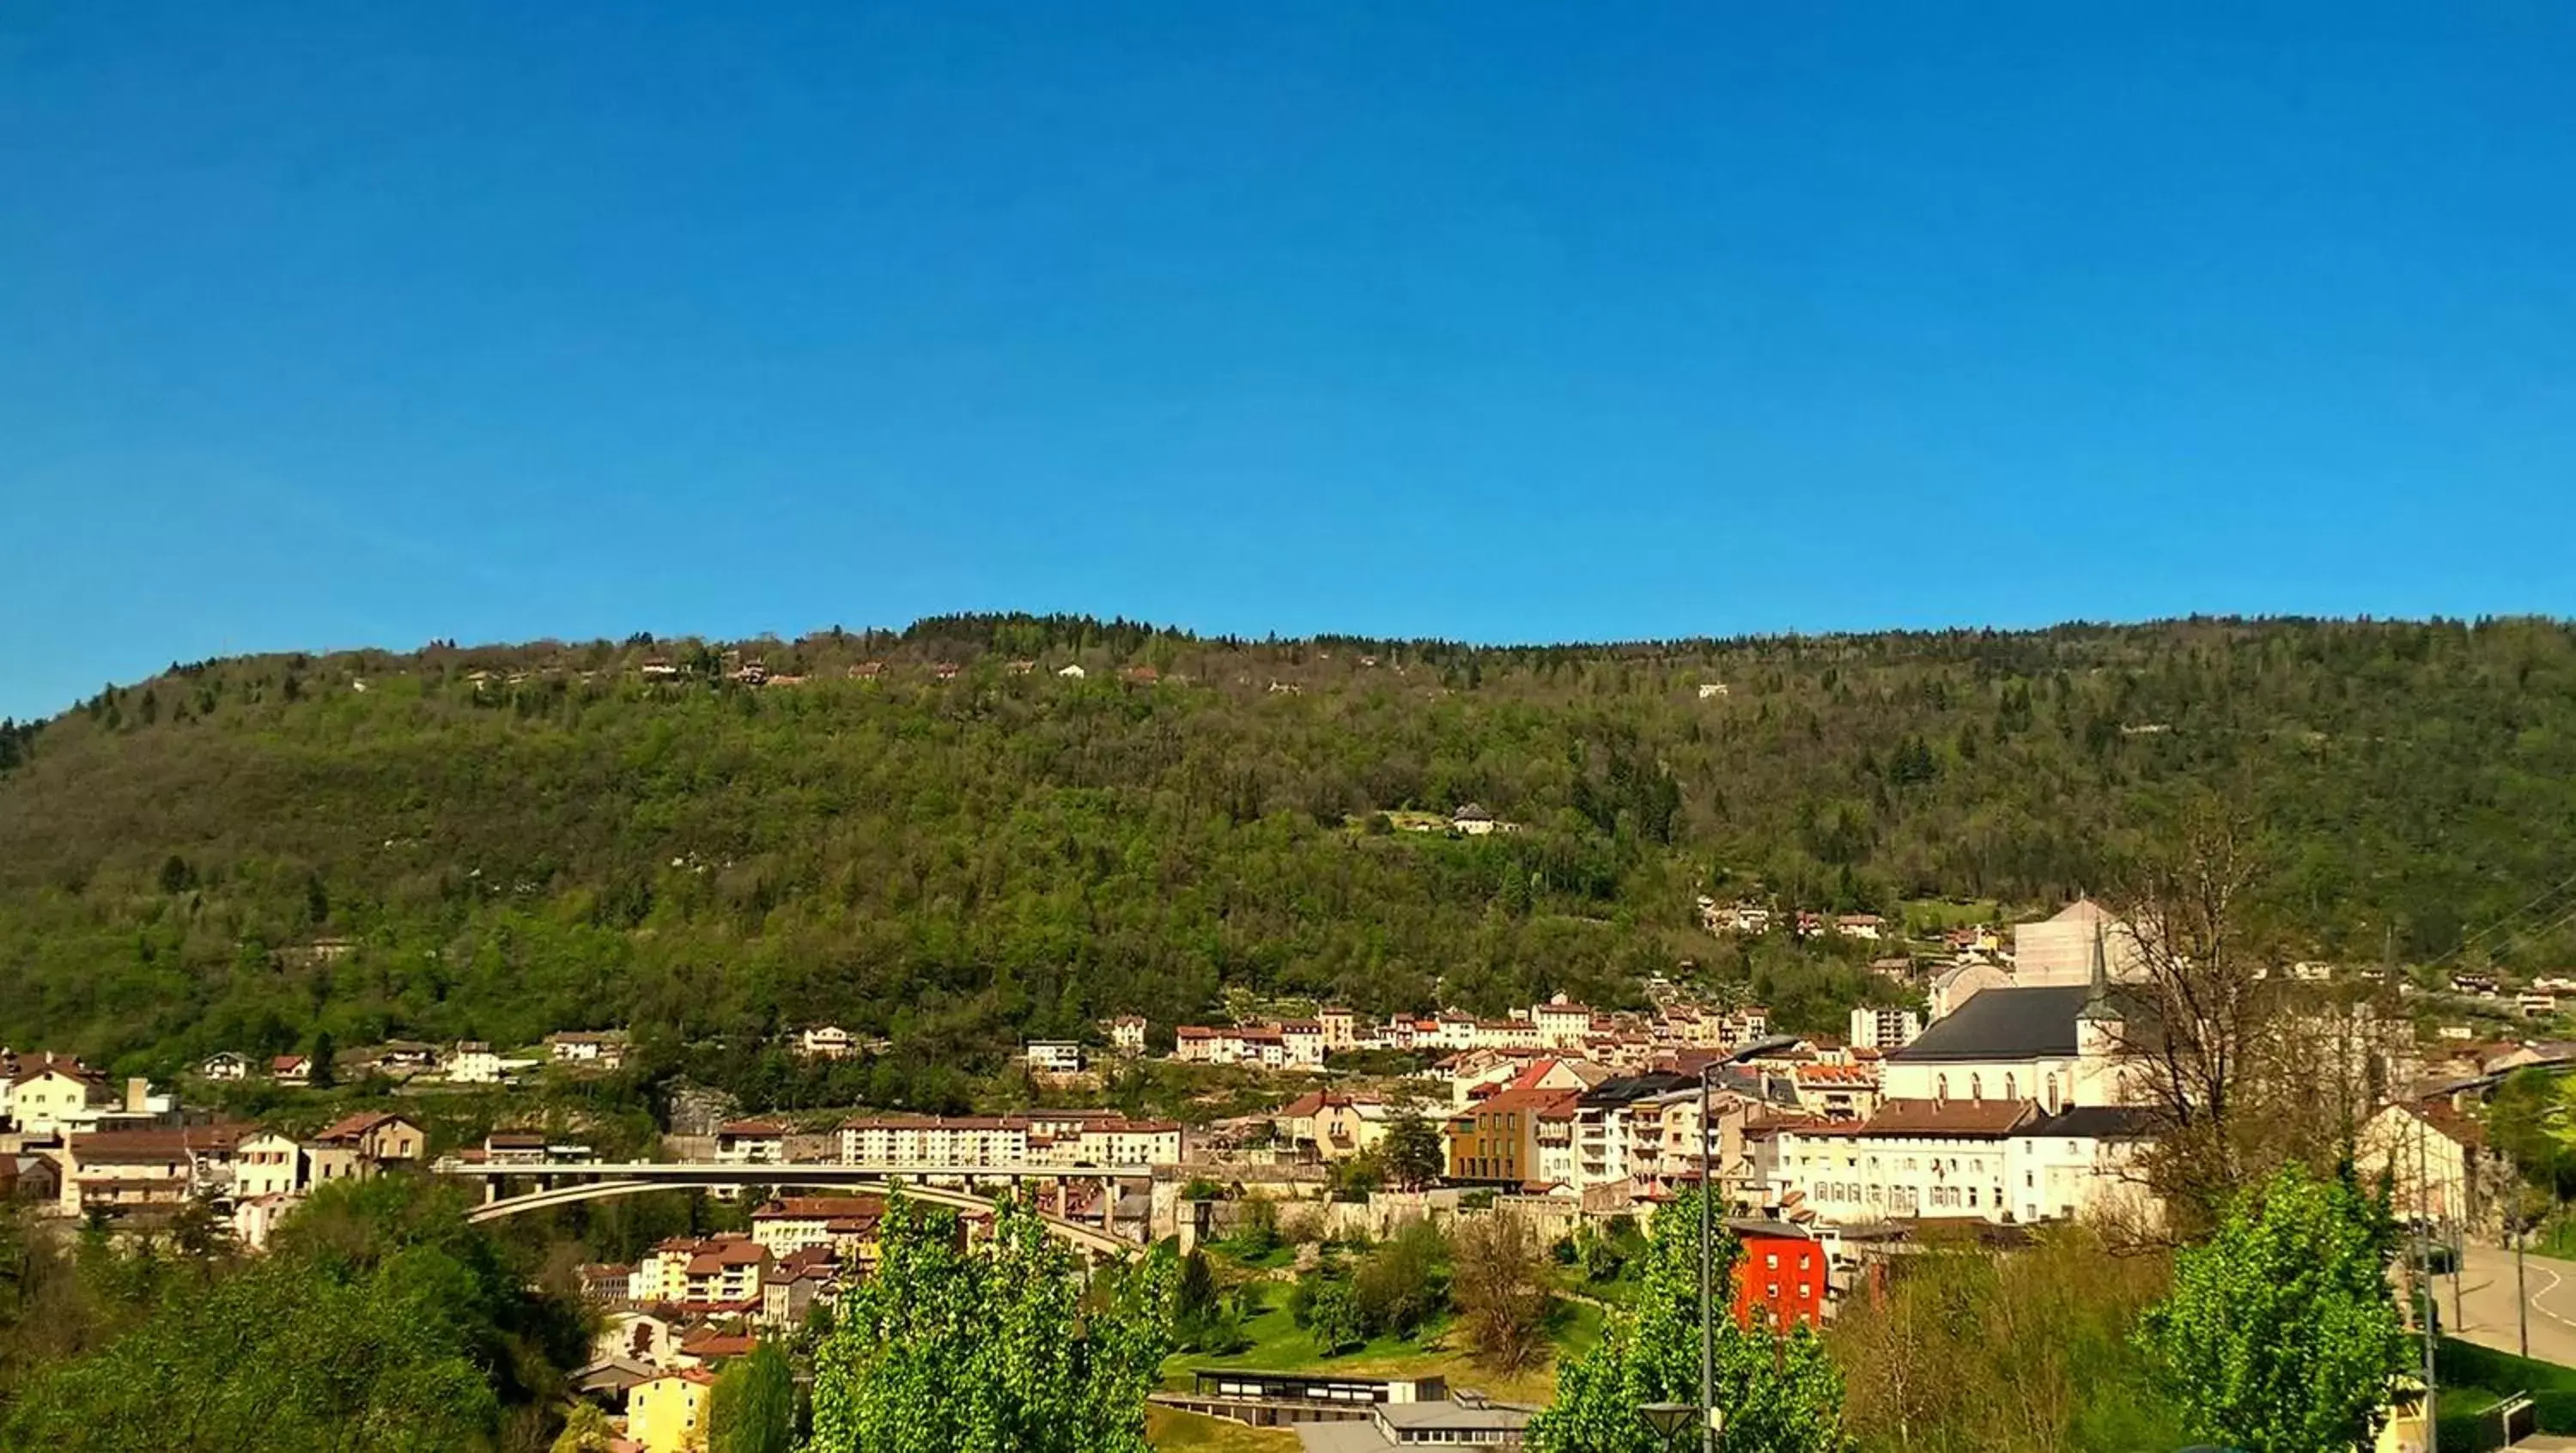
(1671, 1420)
(1707, 1233)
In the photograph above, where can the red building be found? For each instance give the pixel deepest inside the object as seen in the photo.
(1781, 1275)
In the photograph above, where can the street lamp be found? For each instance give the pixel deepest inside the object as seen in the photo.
(1671, 1420)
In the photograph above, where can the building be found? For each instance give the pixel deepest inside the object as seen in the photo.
(1472, 819)
(1130, 1142)
(2083, 1162)
(2433, 1158)
(846, 1225)
(225, 1066)
(1867, 927)
(826, 1041)
(1782, 1276)
(1126, 1034)
(291, 1069)
(2059, 950)
(1262, 1045)
(52, 1094)
(1561, 1024)
(377, 1138)
(514, 1147)
(123, 1172)
(1913, 1158)
(1330, 1125)
(707, 1274)
(2056, 1045)
(1302, 1044)
(934, 1140)
(255, 1218)
(1497, 1140)
(668, 1414)
(1466, 1420)
(1884, 1028)
(751, 1142)
(602, 1049)
(268, 1164)
(1052, 1056)
(793, 1284)
(472, 1062)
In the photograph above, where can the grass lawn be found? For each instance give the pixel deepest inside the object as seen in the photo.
(1172, 1428)
(1278, 1345)
(1938, 915)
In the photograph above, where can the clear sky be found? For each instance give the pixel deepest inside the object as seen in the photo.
(340, 324)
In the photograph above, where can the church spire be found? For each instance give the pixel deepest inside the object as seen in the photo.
(2098, 1005)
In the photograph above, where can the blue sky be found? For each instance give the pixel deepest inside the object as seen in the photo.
(329, 325)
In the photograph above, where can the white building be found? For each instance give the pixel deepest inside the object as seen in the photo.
(472, 1062)
(2059, 950)
(1884, 1028)
(826, 1041)
(1302, 1044)
(1052, 1056)
(751, 1142)
(268, 1164)
(935, 1140)
(225, 1066)
(1126, 1033)
(1561, 1024)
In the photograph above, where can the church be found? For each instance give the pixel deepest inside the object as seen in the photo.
(2017, 1105)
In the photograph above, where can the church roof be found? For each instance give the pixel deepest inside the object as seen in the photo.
(2095, 1122)
(2003, 1024)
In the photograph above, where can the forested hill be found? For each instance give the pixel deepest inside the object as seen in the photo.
(523, 839)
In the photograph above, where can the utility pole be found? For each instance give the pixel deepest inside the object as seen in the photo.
(2424, 1313)
(1707, 1234)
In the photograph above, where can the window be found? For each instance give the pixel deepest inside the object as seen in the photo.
(1972, 1197)
(1941, 1087)
(1771, 1261)
(2009, 1092)
(1976, 1087)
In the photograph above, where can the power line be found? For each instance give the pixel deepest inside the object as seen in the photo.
(2505, 922)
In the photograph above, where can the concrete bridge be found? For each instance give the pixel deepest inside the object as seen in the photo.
(566, 1183)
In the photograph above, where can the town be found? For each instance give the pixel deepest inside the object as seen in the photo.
(1998, 1091)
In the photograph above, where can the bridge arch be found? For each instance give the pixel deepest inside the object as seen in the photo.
(1073, 1232)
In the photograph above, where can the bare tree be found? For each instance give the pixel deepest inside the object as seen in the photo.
(1500, 1285)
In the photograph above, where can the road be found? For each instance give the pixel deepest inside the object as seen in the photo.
(2489, 1312)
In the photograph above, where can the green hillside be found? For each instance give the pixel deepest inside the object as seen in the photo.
(522, 839)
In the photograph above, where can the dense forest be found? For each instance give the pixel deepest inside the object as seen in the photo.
(940, 836)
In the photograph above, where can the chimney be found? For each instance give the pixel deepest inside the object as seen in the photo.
(138, 1095)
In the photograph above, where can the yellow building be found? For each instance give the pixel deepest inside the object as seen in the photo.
(669, 1413)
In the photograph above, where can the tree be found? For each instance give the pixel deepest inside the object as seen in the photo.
(1782, 1394)
(586, 1430)
(1401, 1283)
(1500, 1285)
(752, 1408)
(1327, 1307)
(2281, 1334)
(999, 1348)
(1413, 1153)
(321, 1075)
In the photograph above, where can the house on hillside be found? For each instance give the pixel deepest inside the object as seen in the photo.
(1073, 672)
(225, 1066)
(291, 1069)
(826, 1041)
(1472, 819)
(472, 1062)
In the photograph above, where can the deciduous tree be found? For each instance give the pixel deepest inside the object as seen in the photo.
(1781, 1394)
(2281, 1334)
(1003, 1347)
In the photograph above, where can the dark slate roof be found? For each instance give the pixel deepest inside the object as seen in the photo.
(2003, 1024)
(1629, 1088)
(2097, 1122)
